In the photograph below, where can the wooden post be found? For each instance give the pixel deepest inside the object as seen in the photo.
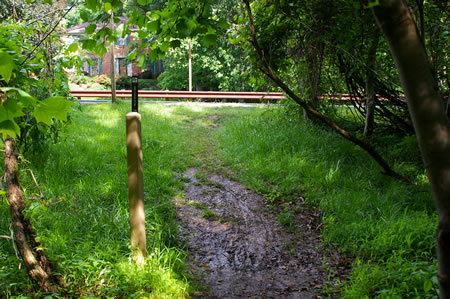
(136, 186)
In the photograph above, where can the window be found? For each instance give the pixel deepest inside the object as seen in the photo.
(121, 66)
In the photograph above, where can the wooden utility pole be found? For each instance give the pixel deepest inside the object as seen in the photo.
(113, 72)
(190, 67)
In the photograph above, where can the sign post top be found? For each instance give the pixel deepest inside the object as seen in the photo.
(134, 94)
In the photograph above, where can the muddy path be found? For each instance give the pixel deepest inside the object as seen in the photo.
(238, 249)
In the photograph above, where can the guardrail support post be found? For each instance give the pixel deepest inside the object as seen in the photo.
(136, 186)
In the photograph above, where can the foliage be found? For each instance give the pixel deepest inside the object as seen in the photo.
(39, 76)
(103, 80)
(79, 78)
(124, 82)
(213, 68)
(386, 225)
(321, 47)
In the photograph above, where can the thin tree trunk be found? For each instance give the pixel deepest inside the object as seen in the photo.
(20, 225)
(428, 116)
(313, 75)
(370, 88)
(310, 110)
(113, 61)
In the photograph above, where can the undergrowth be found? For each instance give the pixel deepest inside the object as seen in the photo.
(388, 226)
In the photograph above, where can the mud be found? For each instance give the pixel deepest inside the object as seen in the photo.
(238, 248)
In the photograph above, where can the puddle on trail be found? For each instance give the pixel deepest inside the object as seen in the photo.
(239, 249)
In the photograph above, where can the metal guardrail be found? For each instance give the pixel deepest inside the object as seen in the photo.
(170, 94)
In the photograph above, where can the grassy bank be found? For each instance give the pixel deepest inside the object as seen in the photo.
(387, 226)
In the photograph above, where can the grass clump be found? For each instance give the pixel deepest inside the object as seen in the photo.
(387, 225)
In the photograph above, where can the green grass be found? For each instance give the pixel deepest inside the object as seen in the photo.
(83, 224)
(387, 225)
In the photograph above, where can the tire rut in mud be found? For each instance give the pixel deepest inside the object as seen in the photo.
(239, 249)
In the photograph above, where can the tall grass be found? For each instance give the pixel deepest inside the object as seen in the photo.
(83, 223)
(388, 226)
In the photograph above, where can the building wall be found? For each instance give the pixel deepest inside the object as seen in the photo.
(122, 66)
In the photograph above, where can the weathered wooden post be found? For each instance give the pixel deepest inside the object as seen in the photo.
(136, 183)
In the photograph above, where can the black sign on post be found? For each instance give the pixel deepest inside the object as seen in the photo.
(134, 94)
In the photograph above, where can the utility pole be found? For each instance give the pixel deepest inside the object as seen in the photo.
(113, 72)
(190, 67)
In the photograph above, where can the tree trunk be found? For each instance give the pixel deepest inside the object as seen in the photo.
(313, 75)
(113, 61)
(428, 116)
(20, 225)
(370, 88)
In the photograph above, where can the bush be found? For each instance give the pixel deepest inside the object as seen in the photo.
(148, 84)
(79, 79)
(123, 82)
(148, 74)
(103, 80)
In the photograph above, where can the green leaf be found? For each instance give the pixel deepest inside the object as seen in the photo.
(9, 127)
(164, 46)
(153, 26)
(141, 60)
(108, 6)
(223, 24)
(6, 66)
(9, 110)
(84, 15)
(72, 48)
(89, 44)
(91, 4)
(427, 285)
(153, 55)
(132, 55)
(90, 29)
(143, 2)
(56, 107)
(22, 96)
(209, 39)
(372, 3)
(12, 109)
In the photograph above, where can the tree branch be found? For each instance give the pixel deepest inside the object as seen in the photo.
(48, 34)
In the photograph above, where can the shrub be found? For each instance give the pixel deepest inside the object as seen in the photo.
(103, 80)
(123, 82)
(79, 79)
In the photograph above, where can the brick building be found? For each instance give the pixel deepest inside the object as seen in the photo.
(102, 65)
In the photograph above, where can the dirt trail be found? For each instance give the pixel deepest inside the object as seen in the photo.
(237, 247)
(240, 248)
